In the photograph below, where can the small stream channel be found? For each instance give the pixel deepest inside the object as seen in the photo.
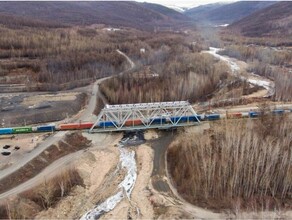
(127, 162)
(252, 78)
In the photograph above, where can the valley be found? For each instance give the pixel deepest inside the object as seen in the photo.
(83, 84)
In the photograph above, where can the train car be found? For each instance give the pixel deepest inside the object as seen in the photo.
(180, 119)
(233, 115)
(158, 120)
(45, 128)
(253, 114)
(185, 119)
(213, 117)
(201, 117)
(133, 122)
(5, 131)
(245, 114)
(85, 125)
(21, 130)
(71, 126)
(278, 112)
(75, 126)
(105, 124)
(194, 118)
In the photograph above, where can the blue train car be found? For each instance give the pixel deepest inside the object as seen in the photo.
(176, 119)
(158, 120)
(194, 118)
(45, 128)
(107, 124)
(185, 119)
(278, 111)
(201, 117)
(253, 114)
(213, 117)
(6, 131)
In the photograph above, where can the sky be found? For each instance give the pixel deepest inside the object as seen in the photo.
(184, 3)
(191, 3)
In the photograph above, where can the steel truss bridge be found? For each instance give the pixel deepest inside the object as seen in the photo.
(162, 115)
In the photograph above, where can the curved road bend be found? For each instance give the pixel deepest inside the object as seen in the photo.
(85, 115)
(96, 92)
(132, 64)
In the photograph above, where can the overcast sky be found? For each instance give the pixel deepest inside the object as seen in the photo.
(192, 3)
(184, 3)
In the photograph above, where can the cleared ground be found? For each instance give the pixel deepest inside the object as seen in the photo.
(19, 146)
(34, 108)
(72, 143)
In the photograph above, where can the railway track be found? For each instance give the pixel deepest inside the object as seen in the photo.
(85, 115)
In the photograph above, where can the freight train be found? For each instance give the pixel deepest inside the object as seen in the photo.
(136, 122)
(88, 125)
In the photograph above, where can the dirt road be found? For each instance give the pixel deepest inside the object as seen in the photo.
(86, 115)
(58, 165)
(159, 147)
(99, 141)
(132, 64)
(29, 156)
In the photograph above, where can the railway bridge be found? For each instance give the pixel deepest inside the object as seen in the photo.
(162, 115)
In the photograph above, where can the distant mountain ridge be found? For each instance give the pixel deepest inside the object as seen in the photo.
(275, 20)
(12, 21)
(115, 13)
(177, 8)
(166, 11)
(219, 13)
(202, 11)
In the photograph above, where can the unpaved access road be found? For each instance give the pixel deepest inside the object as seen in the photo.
(34, 153)
(88, 112)
(86, 115)
(59, 165)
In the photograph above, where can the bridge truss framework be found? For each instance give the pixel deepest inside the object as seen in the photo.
(162, 115)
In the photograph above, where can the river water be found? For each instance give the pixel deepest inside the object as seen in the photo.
(127, 162)
(251, 77)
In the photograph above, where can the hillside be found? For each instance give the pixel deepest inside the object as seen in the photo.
(201, 12)
(225, 13)
(166, 11)
(12, 21)
(275, 20)
(119, 14)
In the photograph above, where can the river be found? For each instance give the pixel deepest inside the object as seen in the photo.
(249, 77)
(127, 162)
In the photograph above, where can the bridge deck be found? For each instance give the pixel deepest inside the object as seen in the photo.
(145, 115)
(133, 128)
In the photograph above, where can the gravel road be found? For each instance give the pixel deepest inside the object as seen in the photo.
(86, 115)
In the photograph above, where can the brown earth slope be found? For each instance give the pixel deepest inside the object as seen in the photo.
(126, 14)
(275, 20)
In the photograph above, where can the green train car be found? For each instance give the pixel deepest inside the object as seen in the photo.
(20, 130)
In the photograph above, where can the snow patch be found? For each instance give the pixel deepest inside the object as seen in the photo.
(221, 25)
(112, 29)
(128, 162)
(177, 8)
